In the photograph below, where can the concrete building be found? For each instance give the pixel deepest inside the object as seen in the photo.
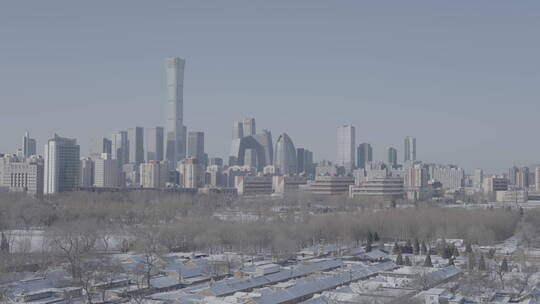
(28, 145)
(364, 155)
(99, 145)
(286, 184)
(176, 131)
(512, 175)
(415, 182)
(410, 149)
(215, 161)
(191, 173)
(62, 165)
(326, 167)
(154, 144)
(512, 196)
(478, 178)
(522, 178)
(87, 172)
(329, 185)
(230, 174)
(22, 175)
(493, 184)
(153, 174)
(214, 176)
(119, 147)
(451, 177)
(195, 146)
(392, 157)
(253, 185)
(107, 172)
(382, 188)
(346, 147)
(285, 160)
(131, 175)
(304, 158)
(135, 138)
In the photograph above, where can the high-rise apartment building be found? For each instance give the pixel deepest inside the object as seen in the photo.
(176, 131)
(196, 146)
(62, 165)
(135, 138)
(522, 178)
(392, 157)
(120, 147)
(364, 155)
(451, 177)
(154, 143)
(28, 145)
(192, 173)
(478, 178)
(410, 149)
(346, 147)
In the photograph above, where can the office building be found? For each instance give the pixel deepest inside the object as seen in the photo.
(238, 130)
(392, 157)
(87, 172)
(285, 155)
(131, 175)
(364, 155)
(326, 167)
(22, 174)
(119, 147)
(451, 177)
(304, 158)
(107, 172)
(62, 165)
(478, 178)
(28, 145)
(329, 185)
(385, 188)
(346, 147)
(215, 161)
(286, 184)
(191, 173)
(253, 185)
(410, 149)
(250, 130)
(196, 146)
(415, 181)
(153, 174)
(176, 131)
(154, 143)
(493, 184)
(99, 145)
(522, 178)
(135, 145)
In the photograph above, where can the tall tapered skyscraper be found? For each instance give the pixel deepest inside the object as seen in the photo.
(410, 149)
(176, 135)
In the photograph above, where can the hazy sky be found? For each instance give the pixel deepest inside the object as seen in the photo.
(463, 77)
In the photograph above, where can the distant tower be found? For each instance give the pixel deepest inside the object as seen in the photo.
(62, 165)
(119, 147)
(195, 146)
(29, 145)
(364, 155)
(250, 130)
(392, 157)
(176, 131)
(238, 130)
(346, 147)
(410, 149)
(285, 155)
(136, 145)
(154, 144)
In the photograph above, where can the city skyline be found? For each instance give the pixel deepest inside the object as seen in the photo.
(213, 100)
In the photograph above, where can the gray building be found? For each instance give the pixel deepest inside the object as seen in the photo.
(136, 145)
(154, 143)
(250, 130)
(196, 146)
(304, 159)
(364, 155)
(87, 172)
(99, 145)
(176, 131)
(107, 172)
(62, 165)
(392, 157)
(410, 149)
(28, 145)
(22, 175)
(285, 155)
(238, 130)
(119, 147)
(346, 147)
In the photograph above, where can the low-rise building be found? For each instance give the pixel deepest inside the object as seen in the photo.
(384, 188)
(329, 185)
(253, 185)
(283, 184)
(23, 175)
